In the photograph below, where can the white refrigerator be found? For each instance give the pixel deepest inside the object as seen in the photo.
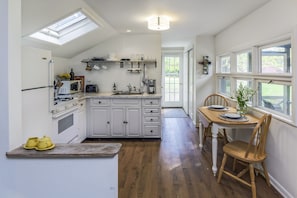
(37, 92)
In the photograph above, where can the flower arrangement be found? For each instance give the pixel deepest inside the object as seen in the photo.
(243, 94)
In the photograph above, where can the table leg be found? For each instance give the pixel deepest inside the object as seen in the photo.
(200, 136)
(214, 131)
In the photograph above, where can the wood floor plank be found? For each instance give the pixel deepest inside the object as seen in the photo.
(175, 167)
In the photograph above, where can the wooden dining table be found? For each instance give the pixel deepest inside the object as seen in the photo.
(216, 119)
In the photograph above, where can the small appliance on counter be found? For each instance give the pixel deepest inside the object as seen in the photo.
(92, 88)
(151, 86)
(70, 87)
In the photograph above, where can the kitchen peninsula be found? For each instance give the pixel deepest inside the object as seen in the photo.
(60, 172)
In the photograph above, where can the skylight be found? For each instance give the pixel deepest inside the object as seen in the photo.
(66, 29)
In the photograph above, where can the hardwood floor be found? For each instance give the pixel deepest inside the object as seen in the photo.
(175, 167)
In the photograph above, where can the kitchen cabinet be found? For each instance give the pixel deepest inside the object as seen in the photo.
(98, 118)
(152, 118)
(126, 118)
(82, 120)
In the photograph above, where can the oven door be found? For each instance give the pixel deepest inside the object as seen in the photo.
(65, 126)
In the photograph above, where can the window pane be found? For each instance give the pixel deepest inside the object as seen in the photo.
(224, 86)
(244, 62)
(245, 83)
(277, 97)
(225, 64)
(276, 59)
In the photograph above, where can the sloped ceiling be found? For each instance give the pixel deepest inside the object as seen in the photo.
(189, 18)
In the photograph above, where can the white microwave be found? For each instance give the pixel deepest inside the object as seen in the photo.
(70, 87)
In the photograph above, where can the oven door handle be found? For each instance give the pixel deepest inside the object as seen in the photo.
(62, 113)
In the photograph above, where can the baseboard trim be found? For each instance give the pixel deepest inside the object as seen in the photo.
(280, 188)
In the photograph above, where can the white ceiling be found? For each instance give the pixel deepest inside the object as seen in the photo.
(189, 18)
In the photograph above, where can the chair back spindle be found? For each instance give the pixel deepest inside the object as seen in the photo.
(259, 136)
(215, 99)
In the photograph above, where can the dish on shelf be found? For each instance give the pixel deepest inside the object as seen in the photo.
(45, 149)
(216, 107)
(28, 147)
(232, 115)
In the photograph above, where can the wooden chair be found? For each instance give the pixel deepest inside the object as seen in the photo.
(215, 99)
(248, 153)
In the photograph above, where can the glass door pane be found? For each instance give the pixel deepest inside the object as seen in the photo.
(172, 80)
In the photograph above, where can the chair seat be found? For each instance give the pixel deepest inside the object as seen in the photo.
(237, 149)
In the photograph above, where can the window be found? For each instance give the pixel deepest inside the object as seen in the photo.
(224, 86)
(244, 62)
(225, 65)
(276, 59)
(276, 96)
(266, 68)
(67, 29)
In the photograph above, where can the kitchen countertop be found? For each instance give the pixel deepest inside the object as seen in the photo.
(83, 150)
(110, 95)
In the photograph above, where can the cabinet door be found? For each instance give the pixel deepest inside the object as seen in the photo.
(99, 122)
(133, 117)
(82, 125)
(118, 121)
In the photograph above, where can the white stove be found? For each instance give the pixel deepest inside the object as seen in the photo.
(65, 119)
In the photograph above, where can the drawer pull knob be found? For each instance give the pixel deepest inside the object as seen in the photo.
(99, 102)
(108, 122)
(151, 102)
(152, 119)
(152, 131)
(151, 111)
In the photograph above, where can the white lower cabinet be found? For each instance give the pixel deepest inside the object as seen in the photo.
(98, 118)
(126, 121)
(124, 118)
(82, 120)
(152, 118)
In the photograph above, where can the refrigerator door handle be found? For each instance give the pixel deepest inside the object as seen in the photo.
(50, 73)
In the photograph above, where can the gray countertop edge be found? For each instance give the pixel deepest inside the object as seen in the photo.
(109, 95)
(80, 150)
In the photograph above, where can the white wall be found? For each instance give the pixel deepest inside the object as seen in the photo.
(275, 19)
(123, 46)
(10, 86)
(205, 84)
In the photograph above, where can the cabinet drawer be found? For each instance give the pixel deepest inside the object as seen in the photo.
(152, 130)
(126, 102)
(100, 102)
(151, 110)
(151, 102)
(152, 119)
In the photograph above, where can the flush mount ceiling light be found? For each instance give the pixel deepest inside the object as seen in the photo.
(158, 23)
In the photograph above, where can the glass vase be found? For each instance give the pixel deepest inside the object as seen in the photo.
(241, 109)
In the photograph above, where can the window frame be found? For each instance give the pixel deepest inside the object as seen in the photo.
(255, 76)
(251, 61)
(273, 44)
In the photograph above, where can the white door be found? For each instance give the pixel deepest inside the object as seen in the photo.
(172, 79)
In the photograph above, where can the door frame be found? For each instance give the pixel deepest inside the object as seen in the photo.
(178, 52)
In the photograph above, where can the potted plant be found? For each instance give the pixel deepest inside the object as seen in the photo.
(243, 94)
